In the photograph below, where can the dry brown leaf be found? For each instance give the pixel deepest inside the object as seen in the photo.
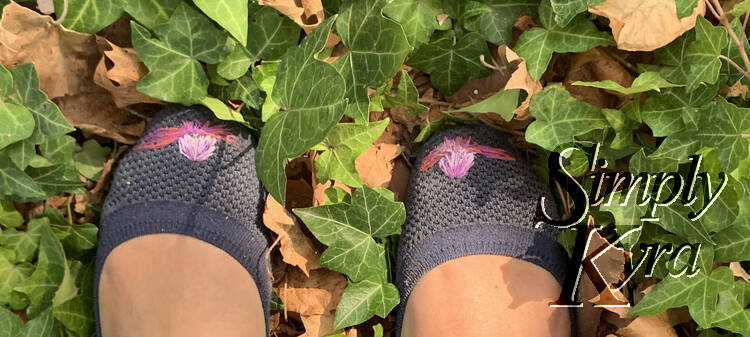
(319, 197)
(121, 80)
(738, 271)
(611, 264)
(375, 165)
(308, 14)
(735, 90)
(649, 326)
(45, 6)
(645, 25)
(296, 248)
(315, 295)
(597, 65)
(65, 61)
(318, 325)
(520, 79)
(60, 56)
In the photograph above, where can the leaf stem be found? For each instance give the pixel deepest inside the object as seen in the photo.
(64, 12)
(736, 66)
(723, 19)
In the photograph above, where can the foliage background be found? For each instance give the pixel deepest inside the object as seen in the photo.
(341, 94)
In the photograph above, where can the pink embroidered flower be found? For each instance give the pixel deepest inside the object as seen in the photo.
(456, 156)
(197, 147)
(197, 141)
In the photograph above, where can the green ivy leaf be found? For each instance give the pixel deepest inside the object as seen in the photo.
(349, 231)
(343, 144)
(16, 123)
(41, 326)
(272, 35)
(58, 150)
(667, 113)
(242, 89)
(76, 315)
(90, 159)
(23, 243)
(685, 7)
(82, 236)
(503, 103)
(699, 293)
(14, 182)
(89, 16)
(703, 53)
(41, 286)
(721, 128)
(537, 44)
(235, 64)
(20, 153)
(48, 118)
(10, 276)
(646, 81)
(361, 300)
(370, 39)
(229, 14)
(310, 93)
(9, 216)
(560, 117)
(733, 243)
(627, 217)
(151, 13)
(175, 75)
(740, 8)
(450, 62)
(57, 178)
(11, 324)
(566, 10)
(406, 95)
(730, 311)
(494, 19)
(417, 17)
(731, 51)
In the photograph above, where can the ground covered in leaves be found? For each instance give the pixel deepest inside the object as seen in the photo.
(341, 93)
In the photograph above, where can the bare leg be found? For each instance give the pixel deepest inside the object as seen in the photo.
(173, 285)
(485, 295)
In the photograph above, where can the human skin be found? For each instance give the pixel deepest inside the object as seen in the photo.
(173, 285)
(483, 296)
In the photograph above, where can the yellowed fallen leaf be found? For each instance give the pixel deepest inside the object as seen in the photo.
(60, 56)
(308, 14)
(735, 90)
(645, 24)
(319, 197)
(296, 248)
(375, 165)
(65, 61)
(318, 325)
(649, 326)
(122, 79)
(738, 271)
(315, 295)
(520, 79)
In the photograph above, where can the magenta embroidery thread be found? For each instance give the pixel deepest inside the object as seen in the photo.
(197, 141)
(456, 156)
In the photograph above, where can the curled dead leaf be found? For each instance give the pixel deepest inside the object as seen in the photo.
(296, 248)
(597, 65)
(649, 326)
(318, 325)
(520, 79)
(375, 165)
(645, 25)
(308, 14)
(735, 90)
(315, 295)
(738, 271)
(60, 56)
(65, 62)
(122, 78)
